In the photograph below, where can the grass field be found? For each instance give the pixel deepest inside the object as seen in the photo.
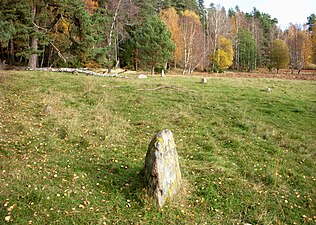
(72, 148)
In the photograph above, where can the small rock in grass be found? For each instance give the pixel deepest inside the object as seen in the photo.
(141, 76)
(47, 109)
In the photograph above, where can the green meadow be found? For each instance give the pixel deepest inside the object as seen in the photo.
(72, 149)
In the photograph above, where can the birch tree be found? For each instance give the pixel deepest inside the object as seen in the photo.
(172, 20)
(224, 55)
(122, 13)
(297, 41)
(217, 25)
(280, 56)
(192, 34)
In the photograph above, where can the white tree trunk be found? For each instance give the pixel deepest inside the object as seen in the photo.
(111, 35)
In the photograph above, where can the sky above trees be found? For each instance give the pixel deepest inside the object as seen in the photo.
(285, 11)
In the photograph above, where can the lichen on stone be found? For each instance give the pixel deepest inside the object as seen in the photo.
(162, 170)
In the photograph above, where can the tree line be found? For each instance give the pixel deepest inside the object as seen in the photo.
(149, 34)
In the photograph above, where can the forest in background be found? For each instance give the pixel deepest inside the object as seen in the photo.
(150, 35)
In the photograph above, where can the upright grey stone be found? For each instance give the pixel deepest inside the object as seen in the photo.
(163, 73)
(203, 80)
(162, 170)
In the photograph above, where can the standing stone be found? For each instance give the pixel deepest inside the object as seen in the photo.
(203, 80)
(162, 170)
(163, 73)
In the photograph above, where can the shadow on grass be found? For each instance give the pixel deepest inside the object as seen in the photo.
(126, 181)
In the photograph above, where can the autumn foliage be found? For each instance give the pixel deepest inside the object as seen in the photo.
(172, 20)
(280, 56)
(79, 33)
(90, 5)
(223, 57)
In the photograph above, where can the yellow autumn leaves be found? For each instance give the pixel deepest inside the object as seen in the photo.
(191, 46)
(224, 55)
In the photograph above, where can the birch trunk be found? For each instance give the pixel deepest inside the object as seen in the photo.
(111, 35)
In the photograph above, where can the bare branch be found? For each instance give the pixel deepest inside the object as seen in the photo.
(38, 27)
(58, 52)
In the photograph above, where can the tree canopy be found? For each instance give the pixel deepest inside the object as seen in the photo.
(223, 57)
(146, 34)
(246, 50)
(280, 56)
(154, 43)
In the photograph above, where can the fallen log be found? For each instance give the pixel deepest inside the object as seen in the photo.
(74, 70)
(166, 87)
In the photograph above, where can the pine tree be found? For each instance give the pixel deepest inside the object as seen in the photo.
(182, 5)
(247, 50)
(313, 40)
(15, 27)
(311, 22)
(153, 42)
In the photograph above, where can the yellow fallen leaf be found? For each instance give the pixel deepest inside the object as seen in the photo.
(7, 218)
(11, 207)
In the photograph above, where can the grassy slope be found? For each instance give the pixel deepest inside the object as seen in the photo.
(72, 147)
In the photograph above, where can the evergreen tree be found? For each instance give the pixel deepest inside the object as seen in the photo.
(311, 22)
(15, 27)
(247, 50)
(153, 43)
(182, 5)
(265, 31)
(202, 11)
(313, 42)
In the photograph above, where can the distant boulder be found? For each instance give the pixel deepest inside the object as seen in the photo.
(204, 80)
(141, 76)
